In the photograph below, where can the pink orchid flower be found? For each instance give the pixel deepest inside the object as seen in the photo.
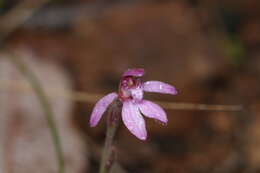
(130, 93)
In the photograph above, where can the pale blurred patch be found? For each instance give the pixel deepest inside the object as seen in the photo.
(25, 141)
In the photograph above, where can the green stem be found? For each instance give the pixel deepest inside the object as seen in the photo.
(112, 124)
(49, 115)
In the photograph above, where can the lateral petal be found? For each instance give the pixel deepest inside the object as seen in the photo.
(100, 108)
(133, 120)
(152, 110)
(159, 87)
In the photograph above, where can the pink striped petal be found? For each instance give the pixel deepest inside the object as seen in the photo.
(159, 87)
(100, 108)
(133, 120)
(137, 72)
(152, 110)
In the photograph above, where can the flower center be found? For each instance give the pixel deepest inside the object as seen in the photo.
(130, 88)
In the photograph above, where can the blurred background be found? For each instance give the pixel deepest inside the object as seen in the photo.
(208, 49)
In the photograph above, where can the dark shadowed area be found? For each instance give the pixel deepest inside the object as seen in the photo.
(208, 49)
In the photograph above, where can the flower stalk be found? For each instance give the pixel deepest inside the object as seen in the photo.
(108, 155)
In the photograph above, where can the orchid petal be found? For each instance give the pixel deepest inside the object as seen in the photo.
(101, 107)
(159, 87)
(152, 110)
(133, 120)
(137, 72)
